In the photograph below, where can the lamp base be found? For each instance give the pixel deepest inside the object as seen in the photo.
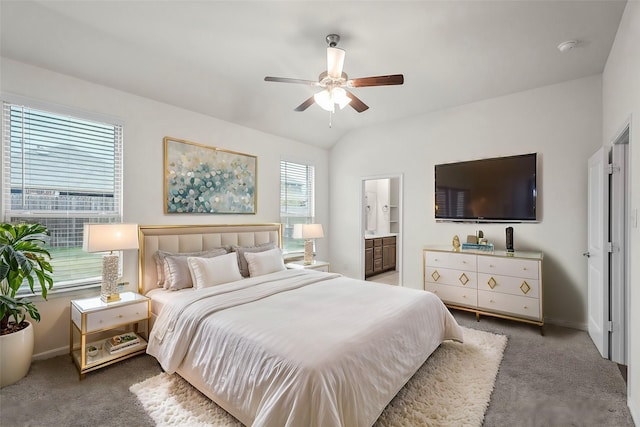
(109, 290)
(110, 298)
(308, 251)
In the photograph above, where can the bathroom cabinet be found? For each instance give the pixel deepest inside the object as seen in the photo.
(379, 255)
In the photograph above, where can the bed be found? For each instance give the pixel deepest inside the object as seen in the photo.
(285, 347)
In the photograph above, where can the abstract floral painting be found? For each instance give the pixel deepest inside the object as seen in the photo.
(204, 179)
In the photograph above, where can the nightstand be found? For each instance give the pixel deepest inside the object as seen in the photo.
(93, 322)
(315, 265)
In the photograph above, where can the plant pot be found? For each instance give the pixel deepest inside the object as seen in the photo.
(16, 351)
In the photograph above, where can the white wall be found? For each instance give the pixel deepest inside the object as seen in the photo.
(146, 122)
(621, 106)
(562, 123)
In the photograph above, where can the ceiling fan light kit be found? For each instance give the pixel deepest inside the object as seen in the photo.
(334, 81)
(328, 98)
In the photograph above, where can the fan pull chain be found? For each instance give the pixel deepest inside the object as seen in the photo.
(329, 119)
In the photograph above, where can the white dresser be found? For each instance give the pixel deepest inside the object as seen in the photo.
(501, 284)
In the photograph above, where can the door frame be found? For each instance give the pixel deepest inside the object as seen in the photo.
(399, 239)
(619, 228)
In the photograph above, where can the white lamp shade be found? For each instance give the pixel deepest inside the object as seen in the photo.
(308, 231)
(340, 97)
(109, 237)
(323, 99)
(335, 62)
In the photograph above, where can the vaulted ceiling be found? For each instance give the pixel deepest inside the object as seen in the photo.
(212, 56)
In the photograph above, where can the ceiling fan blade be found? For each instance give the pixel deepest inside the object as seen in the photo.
(306, 104)
(335, 62)
(287, 80)
(357, 103)
(394, 79)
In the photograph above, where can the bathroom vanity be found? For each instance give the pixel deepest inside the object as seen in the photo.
(379, 254)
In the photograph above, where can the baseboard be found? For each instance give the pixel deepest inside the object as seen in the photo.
(565, 323)
(51, 353)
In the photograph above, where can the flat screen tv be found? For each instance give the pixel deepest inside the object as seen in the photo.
(501, 189)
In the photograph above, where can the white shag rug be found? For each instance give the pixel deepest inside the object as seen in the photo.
(452, 388)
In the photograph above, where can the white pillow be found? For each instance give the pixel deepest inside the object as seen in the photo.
(266, 262)
(207, 272)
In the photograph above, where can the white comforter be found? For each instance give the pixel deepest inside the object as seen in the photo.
(302, 348)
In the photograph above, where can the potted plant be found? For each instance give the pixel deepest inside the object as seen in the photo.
(22, 258)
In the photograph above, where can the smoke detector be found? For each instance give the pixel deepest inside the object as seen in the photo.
(567, 45)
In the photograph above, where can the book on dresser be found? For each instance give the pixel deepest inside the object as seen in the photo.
(499, 283)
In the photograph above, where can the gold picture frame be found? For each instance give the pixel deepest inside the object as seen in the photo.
(209, 180)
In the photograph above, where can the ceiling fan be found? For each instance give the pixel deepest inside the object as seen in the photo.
(334, 82)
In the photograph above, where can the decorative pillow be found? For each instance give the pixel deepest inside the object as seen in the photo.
(159, 257)
(176, 269)
(207, 272)
(266, 262)
(241, 250)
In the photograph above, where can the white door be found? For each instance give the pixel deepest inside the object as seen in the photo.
(597, 252)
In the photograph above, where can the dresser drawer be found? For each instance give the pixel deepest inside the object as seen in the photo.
(509, 304)
(454, 294)
(450, 260)
(446, 276)
(509, 285)
(509, 267)
(109, 318)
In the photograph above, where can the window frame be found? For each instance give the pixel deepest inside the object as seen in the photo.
(288, 220)
(115, 214)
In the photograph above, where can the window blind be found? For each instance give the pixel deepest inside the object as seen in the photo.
(297, 201)
(62, 172)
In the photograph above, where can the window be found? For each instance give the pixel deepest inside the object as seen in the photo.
(62, 172)
(296, 201)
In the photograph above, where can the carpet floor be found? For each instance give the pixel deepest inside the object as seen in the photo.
(558, 379)
(444, 391)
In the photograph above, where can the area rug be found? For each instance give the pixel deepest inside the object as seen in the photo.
(452, 388)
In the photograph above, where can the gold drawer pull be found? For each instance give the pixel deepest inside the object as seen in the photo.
(525, 307)
(435, 275)
(492, 283)
(524, 287)
(463, 279)
(491, 301)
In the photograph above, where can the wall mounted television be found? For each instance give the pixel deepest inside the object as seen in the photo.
(501, 189)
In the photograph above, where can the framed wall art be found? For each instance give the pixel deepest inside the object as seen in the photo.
(203, 179)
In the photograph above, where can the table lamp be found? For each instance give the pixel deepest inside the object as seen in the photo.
(308, 232)
(109, 237)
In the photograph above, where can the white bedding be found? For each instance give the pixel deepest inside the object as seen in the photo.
(300, 347)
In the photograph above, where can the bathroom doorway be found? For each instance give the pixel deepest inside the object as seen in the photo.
(381, 229)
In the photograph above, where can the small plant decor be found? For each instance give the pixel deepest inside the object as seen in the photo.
(22, 257)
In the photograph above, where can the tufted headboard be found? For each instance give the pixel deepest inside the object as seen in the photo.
(193, 238)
